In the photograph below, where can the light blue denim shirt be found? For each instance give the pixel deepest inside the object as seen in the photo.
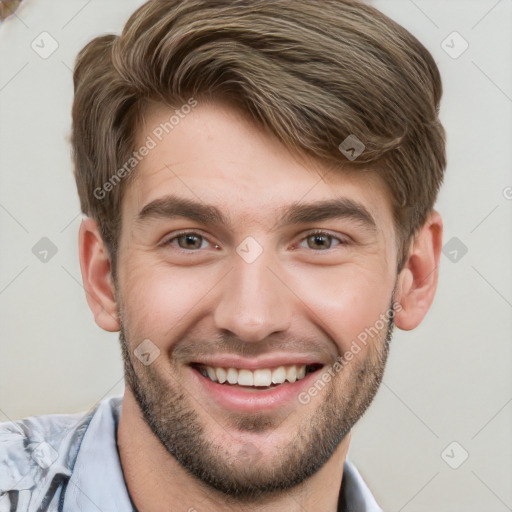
(70, 463)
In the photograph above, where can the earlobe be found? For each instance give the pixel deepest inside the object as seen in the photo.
(96, 276)
(417, 282)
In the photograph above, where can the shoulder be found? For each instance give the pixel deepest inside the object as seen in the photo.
(34, 448)
(30, 446)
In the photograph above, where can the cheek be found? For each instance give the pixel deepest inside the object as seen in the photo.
(158, 299)
(344, 302)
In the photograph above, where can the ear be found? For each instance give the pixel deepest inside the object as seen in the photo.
(97, 277)
(417, 281)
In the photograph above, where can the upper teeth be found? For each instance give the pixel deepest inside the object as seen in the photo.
(259, 377)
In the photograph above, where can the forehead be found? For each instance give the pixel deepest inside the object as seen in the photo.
(214, 154)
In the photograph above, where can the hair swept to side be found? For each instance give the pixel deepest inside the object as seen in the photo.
(312, 73)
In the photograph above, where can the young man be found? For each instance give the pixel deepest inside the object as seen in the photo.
(259, 179)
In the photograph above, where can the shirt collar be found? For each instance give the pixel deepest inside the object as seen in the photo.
(97, 482)
(354, 493)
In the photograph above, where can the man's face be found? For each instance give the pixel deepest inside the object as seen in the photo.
(234, 253)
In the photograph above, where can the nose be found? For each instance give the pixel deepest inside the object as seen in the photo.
(254, 301)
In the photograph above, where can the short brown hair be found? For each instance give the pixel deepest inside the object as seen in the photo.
(313, 73)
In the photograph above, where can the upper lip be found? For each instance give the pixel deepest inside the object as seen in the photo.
(272, 361)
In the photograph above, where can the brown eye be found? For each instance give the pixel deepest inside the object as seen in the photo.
(188, 241)
(321, 241)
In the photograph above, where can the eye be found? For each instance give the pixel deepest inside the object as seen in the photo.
(188, 241)
(321, 241)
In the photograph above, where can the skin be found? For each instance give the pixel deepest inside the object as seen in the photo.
(196, 296)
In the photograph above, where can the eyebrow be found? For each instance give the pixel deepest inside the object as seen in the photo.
(297, 213)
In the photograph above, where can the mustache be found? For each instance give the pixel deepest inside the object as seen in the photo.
(191, 348)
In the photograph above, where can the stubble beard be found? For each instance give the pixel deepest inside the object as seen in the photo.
(244, 477)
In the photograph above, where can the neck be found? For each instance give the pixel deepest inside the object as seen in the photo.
(154, 477)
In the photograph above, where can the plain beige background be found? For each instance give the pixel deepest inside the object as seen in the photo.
(447, 382)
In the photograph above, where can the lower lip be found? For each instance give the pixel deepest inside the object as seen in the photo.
(250, 399)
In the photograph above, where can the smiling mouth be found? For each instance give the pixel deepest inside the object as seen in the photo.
(262, 378)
